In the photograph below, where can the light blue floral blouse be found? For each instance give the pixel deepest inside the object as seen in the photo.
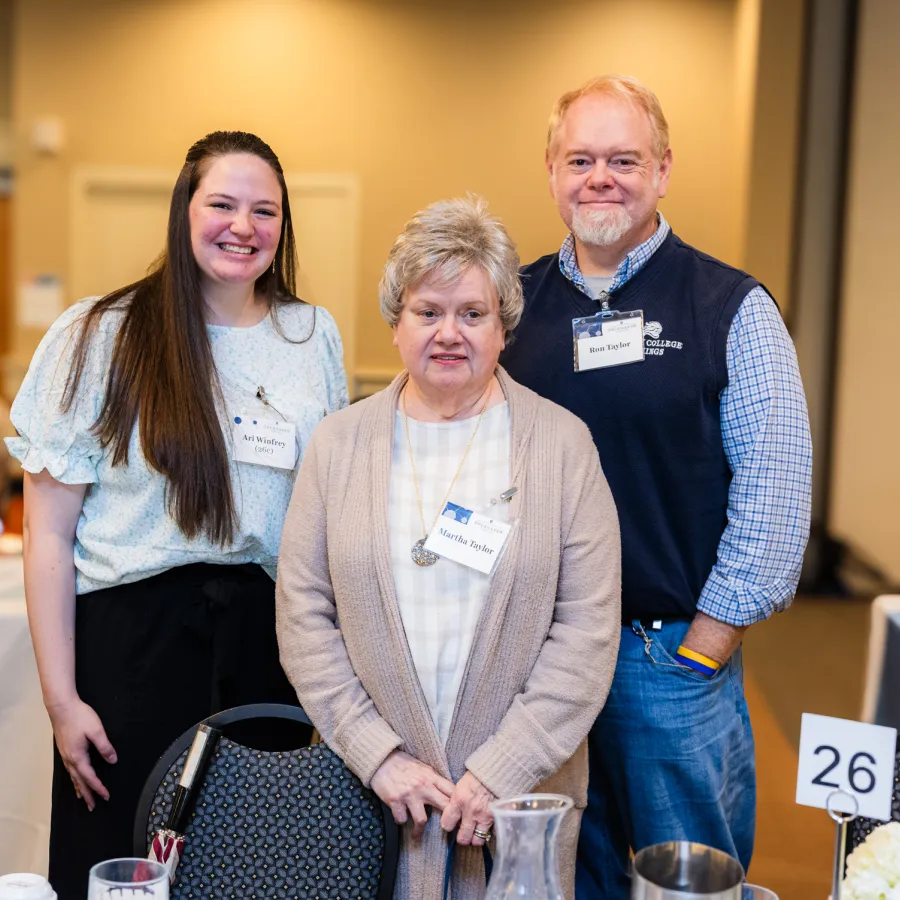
(125, 533)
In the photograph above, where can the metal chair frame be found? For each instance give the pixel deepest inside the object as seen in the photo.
(243, 714)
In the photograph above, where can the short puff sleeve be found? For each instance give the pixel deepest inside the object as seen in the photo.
(330, 350)
(61, 442)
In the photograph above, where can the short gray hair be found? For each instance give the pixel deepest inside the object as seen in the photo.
(441, 243)
(625, 88)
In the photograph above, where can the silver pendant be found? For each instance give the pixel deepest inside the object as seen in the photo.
(421, 556)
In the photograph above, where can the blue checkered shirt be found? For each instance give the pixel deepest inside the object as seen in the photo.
(765, 431)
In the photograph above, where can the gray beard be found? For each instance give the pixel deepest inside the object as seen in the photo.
(601, 229)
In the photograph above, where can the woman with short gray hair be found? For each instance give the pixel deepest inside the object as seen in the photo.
(444, 240)
(448, 587)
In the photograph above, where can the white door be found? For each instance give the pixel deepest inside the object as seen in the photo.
(119, 219)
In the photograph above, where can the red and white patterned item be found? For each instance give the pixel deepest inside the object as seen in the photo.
(166, 848)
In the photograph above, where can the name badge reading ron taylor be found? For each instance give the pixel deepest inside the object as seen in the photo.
(608, 339)
(264, 442)
(468, 538)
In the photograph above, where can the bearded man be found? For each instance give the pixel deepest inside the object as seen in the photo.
(685, 374)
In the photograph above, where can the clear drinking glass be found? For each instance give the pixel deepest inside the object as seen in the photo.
(120, 879)
(527, 864)
(755, 892)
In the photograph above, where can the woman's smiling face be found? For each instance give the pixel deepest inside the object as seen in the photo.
(450, 336)
(235, 219)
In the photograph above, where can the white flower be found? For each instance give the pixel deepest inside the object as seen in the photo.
(873, 868)
(885, 845)
(865, 885)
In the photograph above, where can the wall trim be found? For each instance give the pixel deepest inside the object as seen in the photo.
(369, 380)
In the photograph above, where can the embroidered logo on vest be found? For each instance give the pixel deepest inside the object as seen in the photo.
(653, 346)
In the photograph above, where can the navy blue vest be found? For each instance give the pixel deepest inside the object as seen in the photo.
(656, 423)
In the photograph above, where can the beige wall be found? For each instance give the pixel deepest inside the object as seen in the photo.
(421, 99)
(866, 483)
(771, 150)
(6, 48)
(5, 58)
(746, 65)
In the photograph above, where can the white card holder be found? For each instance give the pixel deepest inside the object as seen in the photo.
(469, 538)
(607, 339)
(263, 440)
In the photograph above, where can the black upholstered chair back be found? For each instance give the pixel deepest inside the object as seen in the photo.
(273, 824)
(859, 829)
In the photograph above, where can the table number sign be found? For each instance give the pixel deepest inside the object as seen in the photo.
(842, 755)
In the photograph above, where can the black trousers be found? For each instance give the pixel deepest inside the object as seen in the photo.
(153, 658)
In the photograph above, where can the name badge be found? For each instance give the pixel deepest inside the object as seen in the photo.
(608, 339)
(264, 442)
(468, 538)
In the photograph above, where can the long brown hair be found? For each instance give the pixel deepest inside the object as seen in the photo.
(162, 372)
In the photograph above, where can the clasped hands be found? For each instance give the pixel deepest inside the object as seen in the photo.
(407, 786)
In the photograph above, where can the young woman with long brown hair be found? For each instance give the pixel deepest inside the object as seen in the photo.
(160, 431)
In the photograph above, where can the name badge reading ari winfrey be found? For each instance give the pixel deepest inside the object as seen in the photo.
(468, 538)
(608, 339)
(264, 442)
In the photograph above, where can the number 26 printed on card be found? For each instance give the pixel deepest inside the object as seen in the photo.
(853, 757)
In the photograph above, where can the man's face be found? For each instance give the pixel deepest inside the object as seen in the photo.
(603, 173)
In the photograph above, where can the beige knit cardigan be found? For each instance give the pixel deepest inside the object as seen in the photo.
(544, 650)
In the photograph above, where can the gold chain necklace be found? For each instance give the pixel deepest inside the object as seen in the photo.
(421, 556)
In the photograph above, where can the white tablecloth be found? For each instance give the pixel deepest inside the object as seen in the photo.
(26, 749)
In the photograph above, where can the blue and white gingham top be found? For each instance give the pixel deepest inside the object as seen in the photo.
(765, 431)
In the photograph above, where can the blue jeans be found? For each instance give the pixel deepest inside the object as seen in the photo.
(671, 758)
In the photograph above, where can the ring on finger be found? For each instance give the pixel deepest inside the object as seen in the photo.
(484, 835)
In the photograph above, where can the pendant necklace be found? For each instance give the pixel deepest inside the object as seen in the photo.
(421, 556)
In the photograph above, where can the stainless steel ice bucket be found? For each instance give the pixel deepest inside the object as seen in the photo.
(680, 870)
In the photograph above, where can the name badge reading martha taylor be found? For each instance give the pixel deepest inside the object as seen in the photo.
(608, 339)
(468, 538)
(264, 442)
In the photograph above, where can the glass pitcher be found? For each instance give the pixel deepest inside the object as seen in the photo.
(527, 829)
